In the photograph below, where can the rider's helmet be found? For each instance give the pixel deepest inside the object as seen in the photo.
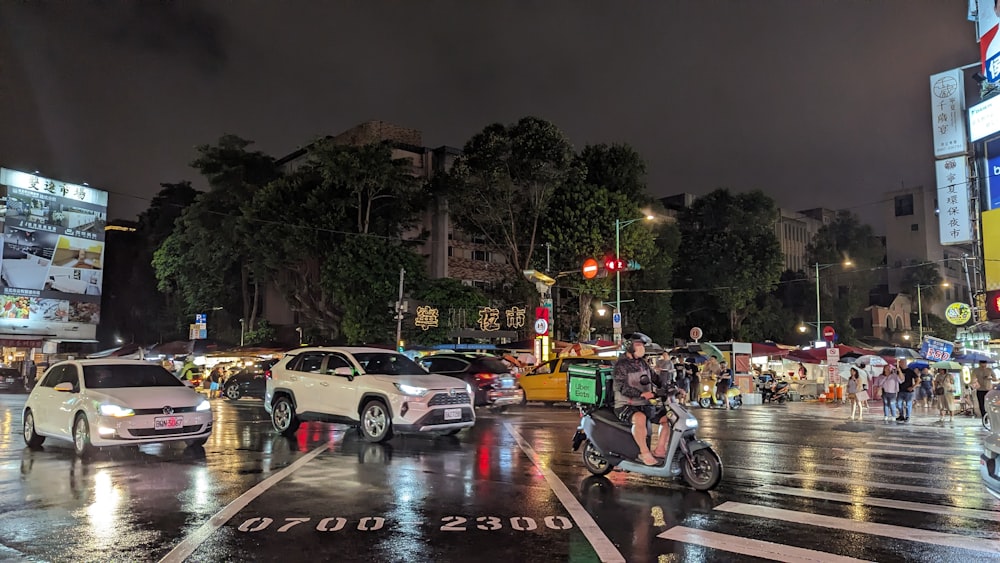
(631, 339)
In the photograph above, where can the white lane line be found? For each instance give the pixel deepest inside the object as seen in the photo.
(886, 503)
(854, 526)
(970, 492)
(604, 547)
(751, 547)
(970, 463)
(968, 449)
(183, 550)
(869, 471)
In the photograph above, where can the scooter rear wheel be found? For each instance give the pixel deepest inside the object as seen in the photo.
(594, 461)
(704, 471)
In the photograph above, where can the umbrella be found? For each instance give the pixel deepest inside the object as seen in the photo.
(711, 350)
(948, 365)
(918, 364)
(898, 352)
(871, 360)
(972, 358)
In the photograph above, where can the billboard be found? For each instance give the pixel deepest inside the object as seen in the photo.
(987, 26)
(52, 266)
(991, 248)
(992, 174)
(954, 221)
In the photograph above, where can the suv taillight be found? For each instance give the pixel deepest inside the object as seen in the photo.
(267, 374)
(485, 376)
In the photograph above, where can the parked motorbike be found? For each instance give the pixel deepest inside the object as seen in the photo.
(772, 390)
(708, 399)
(608, 445)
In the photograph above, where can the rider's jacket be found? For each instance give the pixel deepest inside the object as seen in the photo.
(628, 388)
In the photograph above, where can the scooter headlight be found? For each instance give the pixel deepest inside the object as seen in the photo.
(705, 388)
(691, 422)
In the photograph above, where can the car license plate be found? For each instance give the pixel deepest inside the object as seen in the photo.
(165, 422)
(453, 414)
(507, 383)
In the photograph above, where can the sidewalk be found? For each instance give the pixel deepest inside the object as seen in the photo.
(842, 411)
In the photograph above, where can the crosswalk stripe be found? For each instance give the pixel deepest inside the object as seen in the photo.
(909, 474)
(971, 464)
(886, 503)
(949, 449)
(959, 489)
(907, 453)
(855, 526)
(751, 547)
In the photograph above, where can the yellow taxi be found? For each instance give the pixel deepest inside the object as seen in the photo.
(547, 381)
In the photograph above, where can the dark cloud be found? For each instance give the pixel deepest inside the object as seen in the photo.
(816, 103)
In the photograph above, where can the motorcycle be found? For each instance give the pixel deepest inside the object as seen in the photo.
(608, 445)
(708, 399)
(772, 390)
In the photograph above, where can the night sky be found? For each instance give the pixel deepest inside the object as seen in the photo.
(816, 102)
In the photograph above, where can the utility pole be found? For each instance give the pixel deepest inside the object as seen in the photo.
(399, 307)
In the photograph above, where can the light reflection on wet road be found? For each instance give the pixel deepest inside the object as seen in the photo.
(477, 496)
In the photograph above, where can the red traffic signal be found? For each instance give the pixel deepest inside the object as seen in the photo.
(993, 305)
(614, 264)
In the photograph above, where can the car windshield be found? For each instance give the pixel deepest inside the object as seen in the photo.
(128, 375)
(388, 363)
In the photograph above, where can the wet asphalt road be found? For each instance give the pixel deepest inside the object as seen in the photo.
(801, 483)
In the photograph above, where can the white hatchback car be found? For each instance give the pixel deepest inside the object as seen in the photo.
(95, 403)
(380, 391)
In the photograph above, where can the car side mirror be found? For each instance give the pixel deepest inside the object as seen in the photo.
(64, 387)
(344, 372)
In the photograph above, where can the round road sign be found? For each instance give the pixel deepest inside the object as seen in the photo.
(541, 326)
(829, 333)
(696, 333)
(589, 268)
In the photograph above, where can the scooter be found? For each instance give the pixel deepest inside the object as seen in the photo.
(707, 397)
(772, 390)
(608, 445)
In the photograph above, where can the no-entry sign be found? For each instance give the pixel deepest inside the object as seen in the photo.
(589, 268)
(829, 333)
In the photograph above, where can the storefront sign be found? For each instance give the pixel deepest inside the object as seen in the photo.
(427, 317)
(489, 319)
(955, 226)
(516, 317)
(947, 113)
(958, 313)
(936, 349)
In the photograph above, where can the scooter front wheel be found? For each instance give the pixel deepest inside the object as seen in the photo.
(705, 402)
(704, 471)
(594, 461)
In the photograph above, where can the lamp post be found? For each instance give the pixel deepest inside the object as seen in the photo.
(819, 323)
(242, 330)
(619, 225)
(920, 310)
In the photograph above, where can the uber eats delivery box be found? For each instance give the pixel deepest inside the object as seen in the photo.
(590, 384)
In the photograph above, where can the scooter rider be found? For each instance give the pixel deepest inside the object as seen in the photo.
(633, 392)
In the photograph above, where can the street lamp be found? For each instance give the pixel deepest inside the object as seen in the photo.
(819, 323)
(242, 330)
(619, 225)
(920, 308)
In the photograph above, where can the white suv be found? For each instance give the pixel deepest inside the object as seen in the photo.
(379, 390)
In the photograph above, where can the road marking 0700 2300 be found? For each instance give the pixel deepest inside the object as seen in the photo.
(181, 551)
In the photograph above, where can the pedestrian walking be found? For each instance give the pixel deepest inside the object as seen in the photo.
(683, 382)
(890, 388)
(722, 387)
(907, 387)
(944, 393)
(985, 380)
(665, 368)
(926, 396)
(215, 383)
(853, 387)
(692, 369)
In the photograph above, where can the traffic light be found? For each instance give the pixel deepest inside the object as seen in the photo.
(993, 305)
(613, 264)
(633, 266)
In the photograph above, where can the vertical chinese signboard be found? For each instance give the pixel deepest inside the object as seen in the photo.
(948, 113)
(955, 224)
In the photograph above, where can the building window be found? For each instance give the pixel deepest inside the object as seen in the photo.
(476, 239)
(450, 252)
(479, 284)
(481, 255)
(914, 227)
(904, 205)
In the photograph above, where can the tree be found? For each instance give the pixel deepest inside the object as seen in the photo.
(332, 242)
(844, 290)
(502, 186)
(227, 272)
(728, 252)
(928, 277)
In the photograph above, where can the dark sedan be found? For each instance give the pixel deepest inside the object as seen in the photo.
(248, 382)
(12, 381)
(490, 378)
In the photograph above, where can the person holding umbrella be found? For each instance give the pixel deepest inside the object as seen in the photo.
(985, 380)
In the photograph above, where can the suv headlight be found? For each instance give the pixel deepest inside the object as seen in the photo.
(116, 411)
(203, 406)
(411, 390)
